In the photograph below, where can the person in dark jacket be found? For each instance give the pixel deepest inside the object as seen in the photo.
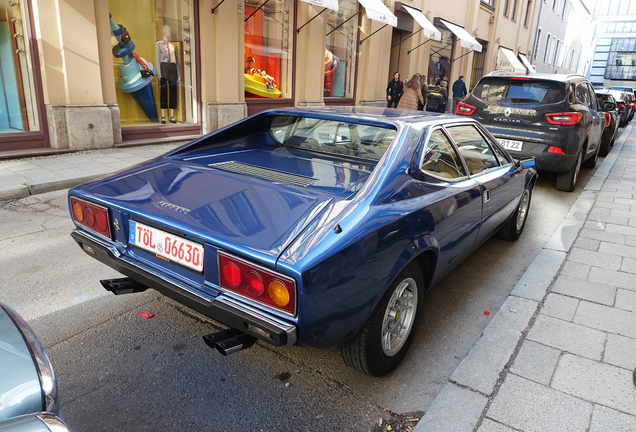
(425, 92)
(459, 92)
(444, 92)
(394, 91)
(439, 81)
(434, 98)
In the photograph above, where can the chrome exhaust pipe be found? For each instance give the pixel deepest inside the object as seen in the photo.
(123, 286)
(229, 341)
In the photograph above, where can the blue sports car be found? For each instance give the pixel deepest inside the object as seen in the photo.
(314, 227)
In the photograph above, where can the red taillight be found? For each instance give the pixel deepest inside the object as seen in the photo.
(258, 284)
(520, 78)
(608, 119)
(464, 109)
(632, 103)
(620, 104)
(564, 119)
(92, 216)
(554, 149)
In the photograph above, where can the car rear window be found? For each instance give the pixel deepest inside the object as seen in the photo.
(505, 90)
(332, 136)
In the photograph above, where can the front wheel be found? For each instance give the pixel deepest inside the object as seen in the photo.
(514, 227)
(567, 180)
(385, 338)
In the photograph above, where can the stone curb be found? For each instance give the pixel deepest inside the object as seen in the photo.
(25, 190)
(474, 380)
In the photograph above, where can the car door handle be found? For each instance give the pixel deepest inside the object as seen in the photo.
(486, 195)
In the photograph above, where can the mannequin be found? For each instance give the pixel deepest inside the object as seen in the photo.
(168, 72)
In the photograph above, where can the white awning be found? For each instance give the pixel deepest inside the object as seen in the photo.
(526, 63)
(329, 4)
(508, 61)
(465, 39)
(376, 11)
(428, 28)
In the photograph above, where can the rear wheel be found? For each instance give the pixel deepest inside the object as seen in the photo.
(514, 227)
(567, 180)
(385, 338)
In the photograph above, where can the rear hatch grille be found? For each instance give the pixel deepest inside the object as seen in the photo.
(265, 173)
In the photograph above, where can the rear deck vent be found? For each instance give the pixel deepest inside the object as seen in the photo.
(264, 173)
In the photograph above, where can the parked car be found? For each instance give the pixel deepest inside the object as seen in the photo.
(554, 118)
(632, 103)
(28, 387)
(623, 101)
(318, 228)
(612, 119)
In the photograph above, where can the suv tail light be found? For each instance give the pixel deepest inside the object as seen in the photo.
(555, 149)
(464, 109)
(91, 216)
(256, 283)
(608, 119)
(632, 104)
(564, 119)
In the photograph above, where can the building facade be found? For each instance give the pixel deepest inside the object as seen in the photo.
(614, 58)
(87, 74)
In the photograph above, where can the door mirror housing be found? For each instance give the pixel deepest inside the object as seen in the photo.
(609, 106)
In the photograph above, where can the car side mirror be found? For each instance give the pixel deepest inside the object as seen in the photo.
(609, 106)
(525, 163)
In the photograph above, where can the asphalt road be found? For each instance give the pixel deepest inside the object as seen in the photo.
(119, 371)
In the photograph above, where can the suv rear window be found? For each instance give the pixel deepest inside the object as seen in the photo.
(504, 90)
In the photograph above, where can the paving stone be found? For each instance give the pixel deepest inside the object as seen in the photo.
(586, 290)
(596, 382)
(630, 240)
(454, 409)
(565, 235)
(587, 243)
(612, 205)
(535, 281)
(567, 336)
(615, 278)
(480, 369)
(628, 265)
(623, 213)
(536, 362)
(620, 229)
(594, 225)
(559, 306)
(574, 269)
(606, 419)
(531, 407)
(492, 426)
(580, 208)
(623, 200)
(620, 351)
(616, 249)
(606, 318)
(596, 259)
(626, 300)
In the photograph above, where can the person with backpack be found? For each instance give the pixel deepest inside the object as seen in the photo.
(444, 99)
(434, 98)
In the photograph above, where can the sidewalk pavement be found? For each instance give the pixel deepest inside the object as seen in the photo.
(560, 353)
(557, 356)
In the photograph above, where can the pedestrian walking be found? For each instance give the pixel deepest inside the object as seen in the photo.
(425, 92)
(440, 80)
(412, 93)
(394, 91)
(459, 92)
(444, 92)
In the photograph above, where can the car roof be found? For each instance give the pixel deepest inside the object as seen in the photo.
(565, 78)
(375, 114)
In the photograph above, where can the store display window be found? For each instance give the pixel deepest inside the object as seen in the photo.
(268, 49)
(439, 62)
(340, 54)
(153, 48)
(18, 101)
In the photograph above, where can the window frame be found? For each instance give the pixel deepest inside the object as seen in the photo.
(423, 145)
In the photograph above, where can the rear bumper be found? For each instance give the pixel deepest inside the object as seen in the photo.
(221, 309)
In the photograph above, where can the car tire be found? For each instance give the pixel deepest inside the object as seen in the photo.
(514, 227)
(605, 148)
(591, 162)
(385, 338)
(567, 181)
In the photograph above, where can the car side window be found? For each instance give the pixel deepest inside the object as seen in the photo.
(440, 158)
(581, 94)
(593, 105)
(475, 150)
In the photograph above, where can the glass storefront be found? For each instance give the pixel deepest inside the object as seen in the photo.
(440, 57)
(18, 101)
(340, 54)
(153, 47)
(268, 49)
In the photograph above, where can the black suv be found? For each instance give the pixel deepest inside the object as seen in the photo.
(554, 118)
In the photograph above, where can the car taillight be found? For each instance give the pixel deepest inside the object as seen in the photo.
(632, 104)
(91, 216)
(256, 283)
(464, 109)
(520, 78)
(608, 119)
(555, 149)
(564, 119)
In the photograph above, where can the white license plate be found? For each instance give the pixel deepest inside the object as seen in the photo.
(511, 145)
(167, 246)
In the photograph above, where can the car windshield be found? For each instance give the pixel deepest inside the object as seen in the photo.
(520, 91)
(332, 136)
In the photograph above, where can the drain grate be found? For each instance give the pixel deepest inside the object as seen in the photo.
(264, 173)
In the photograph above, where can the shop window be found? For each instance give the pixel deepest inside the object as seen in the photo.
(268, 49)
(439, 62)
(18, 102)
(154, 61)
(340, 54)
